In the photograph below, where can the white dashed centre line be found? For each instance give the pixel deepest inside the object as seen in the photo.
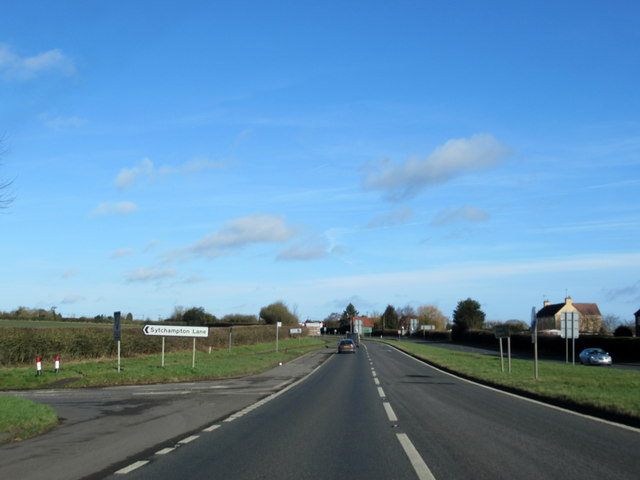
(416, 460)
(132, 467)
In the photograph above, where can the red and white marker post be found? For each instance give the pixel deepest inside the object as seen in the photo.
(56, 364)
(38, 366)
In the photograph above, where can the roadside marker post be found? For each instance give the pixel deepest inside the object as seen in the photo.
(116, 333)
(56, 364)
(38, 367)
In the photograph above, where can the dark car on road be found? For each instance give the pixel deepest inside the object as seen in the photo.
(347, 346)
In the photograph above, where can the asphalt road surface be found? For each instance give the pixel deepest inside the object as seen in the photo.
(380, 414)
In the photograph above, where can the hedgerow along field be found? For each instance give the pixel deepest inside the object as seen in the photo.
(22, 345)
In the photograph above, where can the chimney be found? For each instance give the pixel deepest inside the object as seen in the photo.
(568, 301)
(546, 303)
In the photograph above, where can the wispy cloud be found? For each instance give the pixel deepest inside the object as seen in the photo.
(146, 169)
(397, 217)
(69, 299)
(238, 233)
(25, 68)
(466, 213)
(57, 122)
(121, 253)
(150, 274)
(456, 157)
(119, 208)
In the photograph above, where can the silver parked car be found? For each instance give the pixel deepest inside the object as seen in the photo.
(594, 356)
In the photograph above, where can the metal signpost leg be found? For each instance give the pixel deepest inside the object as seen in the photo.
(501, 355)
(193, 362)
(509, 351)
(162, 352)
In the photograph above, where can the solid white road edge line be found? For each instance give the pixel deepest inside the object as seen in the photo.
(526, 399)
(416, 460)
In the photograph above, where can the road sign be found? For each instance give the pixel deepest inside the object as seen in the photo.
(569, 325)
(175, 331)
(502, 331)
(116, 326)
(295, 330)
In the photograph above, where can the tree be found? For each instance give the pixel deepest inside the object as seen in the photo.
(468, 316)
(333, 321)
(346, 320)
(623, 331)
(278, 312)
(430, 315)
(239, 318)
(610, 322)
(197, 316)
(389, 318)
(405, 314)
(5, 198)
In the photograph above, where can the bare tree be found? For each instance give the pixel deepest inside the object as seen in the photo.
(5, 196)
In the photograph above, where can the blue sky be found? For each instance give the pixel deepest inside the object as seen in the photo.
(233, 154)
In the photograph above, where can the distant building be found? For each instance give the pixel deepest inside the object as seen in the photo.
(362, 323)
(314, 328)
(590, 318)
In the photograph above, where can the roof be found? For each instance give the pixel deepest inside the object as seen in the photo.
(582, 308)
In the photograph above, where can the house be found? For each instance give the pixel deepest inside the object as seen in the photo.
(590, 318)
(363, 324)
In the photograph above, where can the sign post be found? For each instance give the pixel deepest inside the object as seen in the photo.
(502, 331)
(116, 333)
(177, 331)
(534, 339)
(278, 325)
(569, 328)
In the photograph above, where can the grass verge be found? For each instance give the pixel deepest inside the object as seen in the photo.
(602, 391)
(21, 418)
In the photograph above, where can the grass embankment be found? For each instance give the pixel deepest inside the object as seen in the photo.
(603, 390)
(21, 418)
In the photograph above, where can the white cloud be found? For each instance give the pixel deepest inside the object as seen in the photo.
(146, 169)
(119, 208)
(149, 274)
(466, 213)
(128, 176)
(25, 68)
(450, 160)
(397, 217)
(59, 122)
(303, 252)
(121, 253)
(238, 233)
(72, 299)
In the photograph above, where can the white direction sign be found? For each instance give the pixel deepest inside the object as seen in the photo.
(569, 325)
(175, 331)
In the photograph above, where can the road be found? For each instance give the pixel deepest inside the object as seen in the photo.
(101, 428)
(380, 414)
